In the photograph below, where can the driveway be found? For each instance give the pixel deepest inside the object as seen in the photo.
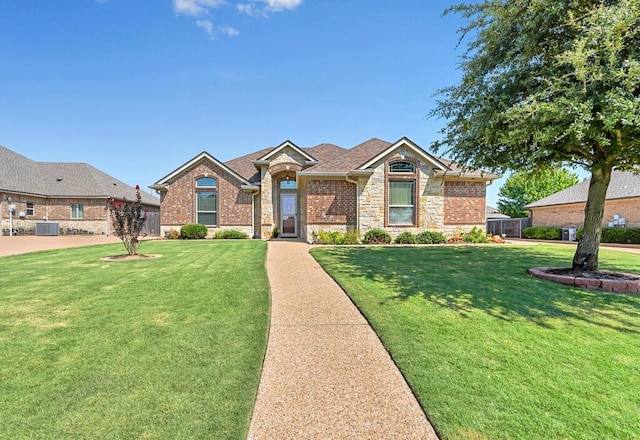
(22, 244)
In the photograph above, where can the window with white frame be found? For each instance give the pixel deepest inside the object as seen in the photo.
(77, 211)
(30, 208)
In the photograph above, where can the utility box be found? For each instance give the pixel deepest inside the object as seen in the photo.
(569, 234)
(47, 228)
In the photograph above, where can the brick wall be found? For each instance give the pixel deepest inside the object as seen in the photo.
(573, 215)
(178, 203)
(464, 202)
(331, 202)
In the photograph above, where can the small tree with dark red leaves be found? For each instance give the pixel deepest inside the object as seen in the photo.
(128, 219)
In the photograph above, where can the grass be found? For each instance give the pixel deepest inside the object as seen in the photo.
(166, 348)
(493, 353)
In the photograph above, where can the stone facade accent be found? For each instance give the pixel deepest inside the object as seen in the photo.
(464, 202)
(178, 203)
(572, 215)
(429, 198)
(285, 163)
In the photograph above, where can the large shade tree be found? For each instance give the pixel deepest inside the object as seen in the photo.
(548, 82)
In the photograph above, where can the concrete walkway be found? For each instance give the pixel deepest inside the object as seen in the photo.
(326, 374)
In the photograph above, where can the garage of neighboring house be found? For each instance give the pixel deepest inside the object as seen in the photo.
(566, 208)
(52, 198)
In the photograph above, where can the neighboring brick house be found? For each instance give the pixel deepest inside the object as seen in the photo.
(73, 197)
(394, 186)
(566, 208)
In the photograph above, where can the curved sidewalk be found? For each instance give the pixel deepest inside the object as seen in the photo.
(326, 374)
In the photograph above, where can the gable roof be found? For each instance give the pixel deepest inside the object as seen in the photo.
(19, 174)
(363, 155)
(200, 157)
(284, 145)
(405, 142)
(623, 185)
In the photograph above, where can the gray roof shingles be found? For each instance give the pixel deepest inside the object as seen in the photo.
(62, 179)
(623, 185)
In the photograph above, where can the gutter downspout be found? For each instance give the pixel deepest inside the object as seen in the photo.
(253, 213)
(357, 202)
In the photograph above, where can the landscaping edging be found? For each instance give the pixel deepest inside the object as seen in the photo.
(608, 285)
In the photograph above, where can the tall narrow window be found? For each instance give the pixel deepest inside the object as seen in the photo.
(77, 210)
(207, 207)
(30, 209)
(401, 202)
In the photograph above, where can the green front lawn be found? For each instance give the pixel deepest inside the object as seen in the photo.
(168, 348)
(493, 353)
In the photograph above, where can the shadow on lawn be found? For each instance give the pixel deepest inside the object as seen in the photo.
(466, 279)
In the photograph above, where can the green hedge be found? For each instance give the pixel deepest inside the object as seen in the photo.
(542, 233)
(230, 234)
(193, 231)
(616, 235)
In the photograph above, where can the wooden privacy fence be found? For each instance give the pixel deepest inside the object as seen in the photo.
(508, 227)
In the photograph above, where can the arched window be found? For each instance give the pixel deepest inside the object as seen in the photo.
(402, 167)
(207, 201)
(402, 200)
(206, 182)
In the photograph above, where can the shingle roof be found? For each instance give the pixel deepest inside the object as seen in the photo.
(245, 167)
(62, 179)
(623, 185)
(351, 159)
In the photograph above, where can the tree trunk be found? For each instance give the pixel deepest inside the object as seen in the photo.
(586, 256)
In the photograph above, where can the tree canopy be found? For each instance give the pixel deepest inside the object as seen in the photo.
(548, 82)
(524, 187)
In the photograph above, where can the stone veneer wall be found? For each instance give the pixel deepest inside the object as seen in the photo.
(572, 215)
(269, 191)
(431, 212)
(178, 203)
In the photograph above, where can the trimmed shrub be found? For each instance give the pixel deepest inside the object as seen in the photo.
(542, 233)
(377, 236)
(406, 238)
(430, 237)
(335, 237)
(328, 237)
(230, 234)
(352, 237)
(476, 235)
(173, 234)
(616, 235)
(193, 231)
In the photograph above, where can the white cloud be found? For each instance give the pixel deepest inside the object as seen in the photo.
(195, 7)
(279, 5)
(263, 7)
(212, 30)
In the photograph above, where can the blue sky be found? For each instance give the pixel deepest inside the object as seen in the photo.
(138, 87)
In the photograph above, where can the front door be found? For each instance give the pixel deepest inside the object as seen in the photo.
(288, 215)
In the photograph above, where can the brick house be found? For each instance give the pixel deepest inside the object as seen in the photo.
(566, 208)
(73, 197)
(394, 186)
